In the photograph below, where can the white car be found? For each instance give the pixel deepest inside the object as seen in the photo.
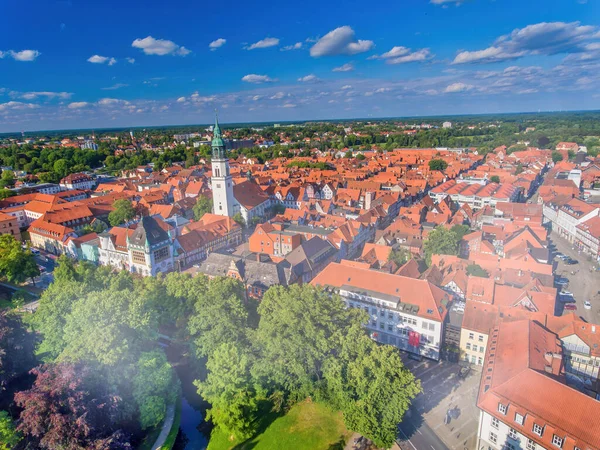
(587, 304)
(567, 293)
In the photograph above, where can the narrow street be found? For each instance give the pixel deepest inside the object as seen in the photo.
(584, 284)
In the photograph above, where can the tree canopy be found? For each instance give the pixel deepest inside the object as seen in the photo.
(16, 264)
(442, 241)
(203, 205)
(123, 212)
(438, 164)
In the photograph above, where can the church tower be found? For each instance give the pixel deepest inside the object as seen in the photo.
(222, 184)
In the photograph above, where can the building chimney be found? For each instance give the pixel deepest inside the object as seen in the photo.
(593, 328)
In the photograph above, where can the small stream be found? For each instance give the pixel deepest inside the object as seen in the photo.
(194, 432)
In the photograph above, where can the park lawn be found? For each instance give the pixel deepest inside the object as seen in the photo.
(306, 426)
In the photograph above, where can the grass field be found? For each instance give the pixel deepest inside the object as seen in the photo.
(307, 426)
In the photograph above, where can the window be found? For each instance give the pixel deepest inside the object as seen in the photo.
(537, 429)
(468, 346)
(480, 361)
(432, 327)
(519, 418)
(557, 440)
(471, 336)
(512, 433)
(481, 349)
(502, 408)
(138, 257)
(510, 446)
(495, 422)
(161, 253)
(493, 437)
(480, 338)
(530, 444)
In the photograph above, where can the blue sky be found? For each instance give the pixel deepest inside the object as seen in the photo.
(107, 63)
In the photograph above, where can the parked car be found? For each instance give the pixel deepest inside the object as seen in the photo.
(35, 251)
(566, 299)
(571, 307)
(561, 281)
(587, 304)
(566, 293)
(571, 261)
(561, 255)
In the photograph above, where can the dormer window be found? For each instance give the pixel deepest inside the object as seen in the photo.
(519, 419)
(502, 408)
(537, 429)
(557, 440)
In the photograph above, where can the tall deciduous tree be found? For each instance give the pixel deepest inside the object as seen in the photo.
(9, 436)
(16, 348)
(71, 407)
(299, 328)
(220, 315)
(371, 386)
(16, 264)
(440, 241)
(203, 205)
(437, 164)
(230, 391)
(123, 212)
(154, 387)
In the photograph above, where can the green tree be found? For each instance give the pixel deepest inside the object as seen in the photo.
(477, 271)
(495, 179)
(16, 264)
(360, 157)
(5, 193)
(220, 315)
(299, 328)
(440, 241)
(109, 326)
(229, 390)
(460, 231)
(7, 179)
(61, 168)
(123, 212)
(371, 386)
(239, 219)
(154, 387)
(9, 436)
(203, 205)
(348, 154)
(65, 270)
(438, 164)
(557, 156)
(399, 256)
(519, 169)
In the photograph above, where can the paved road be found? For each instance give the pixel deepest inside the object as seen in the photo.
(418, 436)
(166, 428)
(584, 284)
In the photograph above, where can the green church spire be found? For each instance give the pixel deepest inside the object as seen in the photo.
(218, 146)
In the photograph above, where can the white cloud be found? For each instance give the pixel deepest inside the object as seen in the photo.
(160, 47)
(112, 102)
(2, 54)
(277, 95)
(296, 46)
(97, 59)
(308, 78)
(545, 38)
(289, 105)
(264, 43)
(114, 87)
(401, 55)
(217, 43)
(78, 105)
(12, 105)
(181, 100)
(346, 86)
(341, 41)
(253, 78)
(445, 2)
(348, 67)
(24, 55)
(130, 60)
(46, 94)
(458, 87)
